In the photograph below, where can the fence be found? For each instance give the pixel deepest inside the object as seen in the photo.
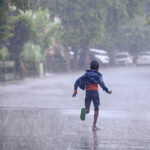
(7, 70)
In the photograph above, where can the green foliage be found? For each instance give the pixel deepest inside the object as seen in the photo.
(5, 24)
(47, 33)
(21, 34)
(5, 18)
(81, 20)
(31, 56)
(21, 4)
(59, 63)
(55, 62)
(31, 52)
(109, 24)
(135, 7)
(4, 54)
(40, 23)
(36, 4)
(84, 22)
(123, 26)
(137, 34)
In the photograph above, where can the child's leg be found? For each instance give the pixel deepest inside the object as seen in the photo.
(87, 103)
(87, 110)
(95, 119)
(96, 102)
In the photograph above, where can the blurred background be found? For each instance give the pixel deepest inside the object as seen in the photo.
(40, 36)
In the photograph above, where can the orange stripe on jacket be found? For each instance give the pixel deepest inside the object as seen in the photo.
(90, 87)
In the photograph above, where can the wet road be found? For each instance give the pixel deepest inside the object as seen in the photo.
(40, 114)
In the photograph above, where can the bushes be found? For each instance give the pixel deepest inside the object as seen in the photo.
(4, 54)
(55, 62)
(59, 63)
(31, 56)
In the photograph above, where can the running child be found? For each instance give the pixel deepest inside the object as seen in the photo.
(89, 82)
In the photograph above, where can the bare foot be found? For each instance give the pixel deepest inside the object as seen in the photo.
(95, 128)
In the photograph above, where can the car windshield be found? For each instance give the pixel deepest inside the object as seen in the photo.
(122, 56)
(102, 54)
(144, 54)
(99, 53)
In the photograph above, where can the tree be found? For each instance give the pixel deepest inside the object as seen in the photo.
(21, 34)
(4, 54)
(48, 33)
(31, 56)
(6, 7)
(120, 15)
(93, 23)
(82, 23)
(36, 4)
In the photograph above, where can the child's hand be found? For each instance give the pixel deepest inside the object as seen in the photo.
(74, 94)
(109, 91)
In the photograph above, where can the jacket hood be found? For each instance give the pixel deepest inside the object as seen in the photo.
(93, 76)
(92, 72)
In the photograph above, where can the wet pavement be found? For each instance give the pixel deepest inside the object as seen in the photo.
(40, 114)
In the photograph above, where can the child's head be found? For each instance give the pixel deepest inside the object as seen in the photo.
(94, 65)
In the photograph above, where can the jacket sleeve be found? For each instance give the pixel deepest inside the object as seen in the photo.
(102, 84)
(78, 83)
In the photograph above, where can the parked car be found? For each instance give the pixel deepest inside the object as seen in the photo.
(99, 55)
(123, 58)
(143, 58)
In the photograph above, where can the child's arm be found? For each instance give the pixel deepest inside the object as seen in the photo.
(74, 94)
(76, 85)
(102, 84)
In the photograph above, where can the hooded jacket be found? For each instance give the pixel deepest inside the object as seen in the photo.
(90, 79)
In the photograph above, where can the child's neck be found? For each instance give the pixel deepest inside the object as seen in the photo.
(95, 70)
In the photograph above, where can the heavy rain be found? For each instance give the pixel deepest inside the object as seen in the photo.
(46, 45)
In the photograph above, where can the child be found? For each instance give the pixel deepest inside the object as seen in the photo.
(90, 81)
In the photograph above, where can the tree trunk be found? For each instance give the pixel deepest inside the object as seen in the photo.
(67, 60)
(86, 61)
(20, 68)
(1, 43)
(75, 60)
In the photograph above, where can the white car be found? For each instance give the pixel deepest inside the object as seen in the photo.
(123, 58)
(143, 58)
(99, 55)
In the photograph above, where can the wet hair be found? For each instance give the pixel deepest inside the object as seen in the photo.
(94, 65)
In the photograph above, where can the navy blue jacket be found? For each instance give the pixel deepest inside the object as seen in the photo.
(90, 77)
